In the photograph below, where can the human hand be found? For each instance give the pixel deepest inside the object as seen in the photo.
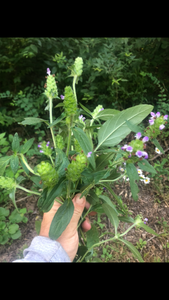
(69, 238)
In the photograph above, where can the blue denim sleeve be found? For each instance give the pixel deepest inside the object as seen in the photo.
(43, 249)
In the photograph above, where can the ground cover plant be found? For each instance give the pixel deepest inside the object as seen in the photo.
(84, 155)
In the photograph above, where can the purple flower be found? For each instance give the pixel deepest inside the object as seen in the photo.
(145, 154)
(161, 127)
(89, 154)
(139, 153)
(48, 71)
(146, 219)
(41, 151)
(101, 109)
(82, 118)
(104, 188)
(158, 114)
(129, 155)
(129, 148)
(124, 147)
(62, 97)
(145, 139)
(165, 117)
(151, 122)
(153, 114)
(51, 147)
(138, 135)
(39, 146)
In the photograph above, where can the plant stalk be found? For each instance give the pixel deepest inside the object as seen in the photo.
(31, 192)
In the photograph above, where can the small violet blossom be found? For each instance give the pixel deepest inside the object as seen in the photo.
(151, 122)
(158, 114)
(145, 154)
(153, 114)
(139, 153)
(165, 117)
(89, 154)
(101, 109)
(48, 71)
(145, 220)
(82, 118)
(129, 148)
(41, 151)
(39, 146)
(138, 135)
(62, 97)
(161, 127)
(124, 147)
(145, 139)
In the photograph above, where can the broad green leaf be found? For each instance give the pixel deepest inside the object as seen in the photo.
(30, 121)
(4, 212)
(132, 249)
(81, 251)
(92, 236)
(103, 160)
(85, 144)
(106, 114)
(58, 120)
(16, 235)
(3, 163)
(109, 202)
(156, 143)
(145, 166)
(13, 228)
(55, 192)
(133, 175)
(114, 175)
(112, 215)
(92, 198)
(114, 130)
(15, 143)
(126, 219)
(86, 109)
(12, 196)
(24, 148)
(134, 127)
(61, 219)
(14, 163)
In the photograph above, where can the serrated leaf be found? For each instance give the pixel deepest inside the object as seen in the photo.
(133, 175)
(14, 163)
(15, 143)
(145, 166)
(24, 148)
(92, 236)
(61, 219)
(31, 121)
(114, 130)
(132, 249)
(106, 114)
(112, 215)
(85, 144)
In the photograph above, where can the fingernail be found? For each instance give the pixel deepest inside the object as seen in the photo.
(80, 200)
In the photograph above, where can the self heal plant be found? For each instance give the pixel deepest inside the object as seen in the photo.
(83, 156)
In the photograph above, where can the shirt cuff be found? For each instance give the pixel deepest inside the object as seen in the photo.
(43, 249)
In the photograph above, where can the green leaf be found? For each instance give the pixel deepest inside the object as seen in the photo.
(134, 127)
(15, 217)
(112, 215)
(12, 196)
(109, 202)
(103, 161)
(14, 163)
(24, 166)
(58, 120)
(156, 143)
(126, 219)
(147, 228)
(133, 175)
(92, 198)
(86, 109)
(92, 236)
(132, 249)
(85, 144)
(16, 235)
(55, 192)
(38, 226)
(145, 166)
(15, 143)
(30, 121)
(4, 212)
(3, 163)
(24, 148)
(2, 135)
(114, 130)
(106, 114)
(13, 228)
(36, 180)
(61, 219)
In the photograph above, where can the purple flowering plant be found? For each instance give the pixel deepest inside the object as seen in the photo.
(84, 156)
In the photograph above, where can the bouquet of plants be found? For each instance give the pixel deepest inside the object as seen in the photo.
(84, 156)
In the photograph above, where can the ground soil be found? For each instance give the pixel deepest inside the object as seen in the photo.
(151, 204)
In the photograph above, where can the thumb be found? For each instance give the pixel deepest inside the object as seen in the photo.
(79, 205)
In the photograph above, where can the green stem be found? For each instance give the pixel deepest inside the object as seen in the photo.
(30, 192)
(69, 140)
(51, 121)
(84, 216)
(51, 160)
(74, 89)
(28, 167)
(68, 189)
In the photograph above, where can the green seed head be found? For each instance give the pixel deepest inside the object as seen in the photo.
(51, 90)
(48, 174)
(78, 66)
(59, 142)
(7, 183)
(69, 102)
